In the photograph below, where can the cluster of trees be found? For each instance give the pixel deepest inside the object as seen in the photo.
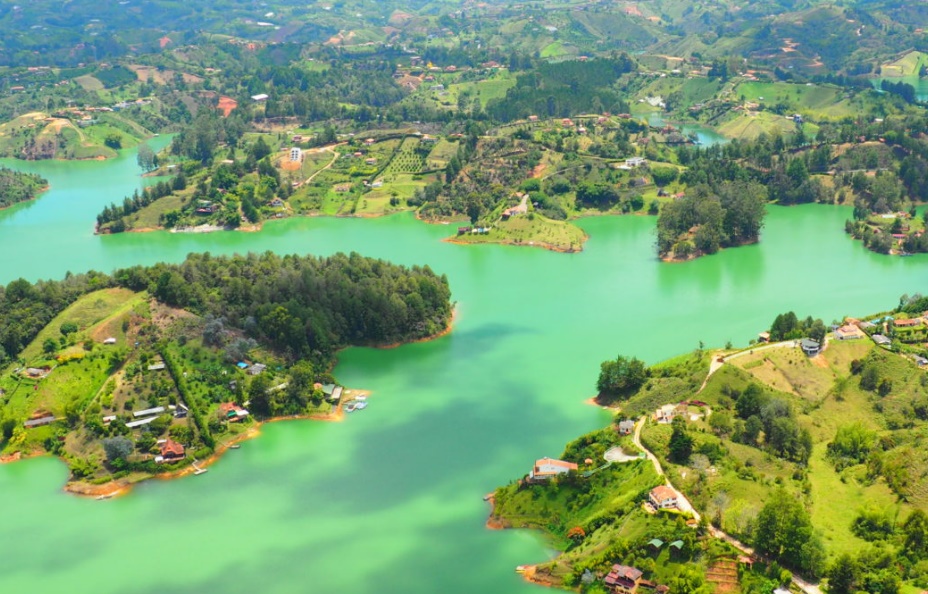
(18, 187)
(872, 373)
(305, 307)
(759, 412)
(564, 89)
(766, 160)
(620, 378)
(784, 532)
(116, 213)
(789, 327)
(901, 88)
(898, 552)
(729, 214)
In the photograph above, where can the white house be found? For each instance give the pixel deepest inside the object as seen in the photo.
(635, 161)
(259, 98)
(296, 154)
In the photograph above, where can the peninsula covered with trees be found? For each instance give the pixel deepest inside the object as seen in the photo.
(147, 369)
(16, 187)
(807, 455)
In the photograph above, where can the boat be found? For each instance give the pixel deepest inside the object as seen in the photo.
(350, 407)
(360, 405)
(522, 568)
(107, 496)
(200, 471)
(234, 446)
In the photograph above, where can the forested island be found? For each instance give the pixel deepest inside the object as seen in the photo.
(793, 459)
(145, 370)
(16, 187)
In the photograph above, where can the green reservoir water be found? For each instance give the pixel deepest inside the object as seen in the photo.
(390, 501)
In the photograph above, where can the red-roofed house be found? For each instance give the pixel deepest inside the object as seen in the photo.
(171, 451)
(548, 467)
(623, 579)
(663, 497)
(910, 323)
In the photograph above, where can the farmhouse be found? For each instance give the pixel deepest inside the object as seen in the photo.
(39, 421)
(548, 467)
(623, 579)
(881, 340)
(810, 347)
(849, 332)
(666, 413)
(626, 427)
(170, 451)
(663, 497)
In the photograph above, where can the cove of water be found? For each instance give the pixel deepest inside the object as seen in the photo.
(705, 135)
(920, 84)
(390, 500)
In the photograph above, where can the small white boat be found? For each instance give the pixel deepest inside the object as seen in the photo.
(234, 446)
(350, 408)
(360, 405)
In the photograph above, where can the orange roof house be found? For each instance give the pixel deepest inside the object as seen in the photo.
(663, 497)
(171, 450)
(547, 468)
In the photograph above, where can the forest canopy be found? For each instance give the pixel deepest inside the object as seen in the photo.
(303, 306)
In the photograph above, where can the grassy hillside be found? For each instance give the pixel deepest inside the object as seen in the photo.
(857, 414)
(39, 135)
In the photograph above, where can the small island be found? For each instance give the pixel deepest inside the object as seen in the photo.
(16, 187)
(710, 218)
(156, 370)
(792, 460)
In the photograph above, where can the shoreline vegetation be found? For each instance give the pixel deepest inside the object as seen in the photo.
(17, 187)
(121, 487)
(153, 372)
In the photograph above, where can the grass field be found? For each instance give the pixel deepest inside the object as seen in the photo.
(494, 87)
(532, 230)
(80, 378)
(908, 65)
(89, 83)
(441, 154)
(751, 125)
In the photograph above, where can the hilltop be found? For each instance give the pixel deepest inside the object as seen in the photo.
(68, 135)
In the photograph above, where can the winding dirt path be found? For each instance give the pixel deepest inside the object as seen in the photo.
(685, 505)
(335, 156)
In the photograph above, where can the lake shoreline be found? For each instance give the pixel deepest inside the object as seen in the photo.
(123, 486)
(120, 487)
